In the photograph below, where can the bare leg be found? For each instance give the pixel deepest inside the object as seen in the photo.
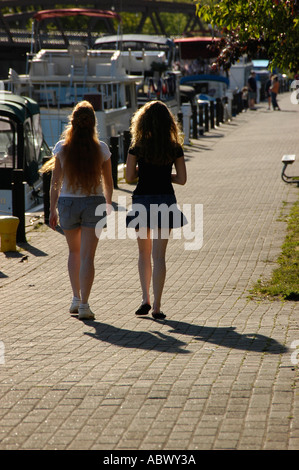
(73, 238)
(89, 242)
(145, 266)
(159, 270)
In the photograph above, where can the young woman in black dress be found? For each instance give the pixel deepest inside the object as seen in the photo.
(156, 147)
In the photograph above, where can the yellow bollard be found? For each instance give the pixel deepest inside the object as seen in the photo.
(8, 232)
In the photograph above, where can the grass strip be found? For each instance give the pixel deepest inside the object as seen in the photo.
(284, 283)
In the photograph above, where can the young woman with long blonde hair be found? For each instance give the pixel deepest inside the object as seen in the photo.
(156, 147)
(81, 180)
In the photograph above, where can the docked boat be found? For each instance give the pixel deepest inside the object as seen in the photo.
(59, 78)
(22, 147)
(139, 50)
(215, 86)
(151, 58)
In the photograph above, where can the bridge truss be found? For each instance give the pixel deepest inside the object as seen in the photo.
(14, 31)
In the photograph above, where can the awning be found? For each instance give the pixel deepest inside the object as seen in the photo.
(60, 12)
(198, 47)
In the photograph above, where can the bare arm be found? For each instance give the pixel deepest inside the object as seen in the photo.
(180, 177)
(54, 193)
(107, 181)
(131, 168)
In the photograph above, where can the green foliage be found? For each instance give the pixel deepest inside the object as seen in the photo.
(255, 26)
(174, 24)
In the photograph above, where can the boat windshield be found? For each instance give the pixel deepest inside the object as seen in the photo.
(7, 143)
(34, 147)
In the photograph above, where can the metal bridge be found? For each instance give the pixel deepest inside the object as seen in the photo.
(15, 36)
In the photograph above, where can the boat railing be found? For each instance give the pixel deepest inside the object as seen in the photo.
(65, 62)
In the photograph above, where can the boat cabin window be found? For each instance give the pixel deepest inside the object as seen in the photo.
(29, 146)
(38, 132)
(32, 153)
(106, 96)
(8, 143)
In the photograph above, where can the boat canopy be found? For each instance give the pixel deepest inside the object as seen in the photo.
(189, 79)
(41, 15)
(19, 106)
(60, 12)
(204, 47)
(145, 41)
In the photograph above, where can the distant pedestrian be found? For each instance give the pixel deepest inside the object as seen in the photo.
(245, 98)
(156, 146)
(80, 179)
(268, 90)
(252, 89)
(274, 92)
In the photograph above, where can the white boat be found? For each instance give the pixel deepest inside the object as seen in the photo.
(151, 57)
(59, 78)
(139, 50)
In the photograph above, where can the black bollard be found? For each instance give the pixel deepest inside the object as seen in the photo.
(221, 114)
(212, 114)
(46, 191)
(206, 117)
(18, 202)
(200, 118)
(114, 159)
(218, 104)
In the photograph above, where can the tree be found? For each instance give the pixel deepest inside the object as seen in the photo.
(254, 27)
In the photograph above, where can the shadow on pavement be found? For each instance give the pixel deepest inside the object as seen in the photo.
(221, 336)
(227, 337)
(31, 249)
(154, 340)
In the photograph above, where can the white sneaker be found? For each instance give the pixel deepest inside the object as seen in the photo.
(75, 305)
(85, 313)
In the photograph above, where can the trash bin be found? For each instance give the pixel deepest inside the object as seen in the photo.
(8, 232)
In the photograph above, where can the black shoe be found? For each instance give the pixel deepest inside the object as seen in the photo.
(143, 309)
(158, 315)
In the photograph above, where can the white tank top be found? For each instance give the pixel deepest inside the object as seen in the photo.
(65, 191)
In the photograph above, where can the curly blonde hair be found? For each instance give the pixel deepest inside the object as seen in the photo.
(155, 133)
(82, 155)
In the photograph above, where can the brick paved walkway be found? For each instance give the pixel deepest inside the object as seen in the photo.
(217, 374)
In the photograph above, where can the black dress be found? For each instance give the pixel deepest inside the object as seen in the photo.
(154, 203)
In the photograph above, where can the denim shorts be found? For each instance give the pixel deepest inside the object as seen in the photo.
(155, 211)
(75, 212)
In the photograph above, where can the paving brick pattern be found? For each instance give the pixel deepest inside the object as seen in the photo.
(217, 373)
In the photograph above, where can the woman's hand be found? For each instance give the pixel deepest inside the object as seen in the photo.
(53, 219)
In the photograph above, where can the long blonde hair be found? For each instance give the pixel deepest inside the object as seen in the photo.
(155, 132)
(82, 155)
